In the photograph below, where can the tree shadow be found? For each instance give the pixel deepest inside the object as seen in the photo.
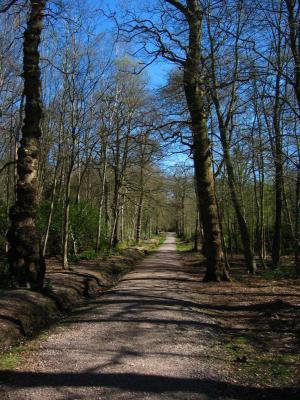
(142, 383)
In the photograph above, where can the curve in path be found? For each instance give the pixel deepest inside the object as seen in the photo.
(144, 339)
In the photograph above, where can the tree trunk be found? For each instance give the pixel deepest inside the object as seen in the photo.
(196, 232)
(259, 225)
(287, 213)
(139, 218)
(224, 123)
(195, 96)
(244, 231)
(150, 227)
(114, 237)
(122, 212)
(297, 223)
(278, 159)
(102, 197)
(294, 33)
(51, 210)
(106, 211)
(99, 229)
(25, 258)
(294, 36)
(183, 229)
(66, 220)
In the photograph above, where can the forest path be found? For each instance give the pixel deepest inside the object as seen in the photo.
(144, 339)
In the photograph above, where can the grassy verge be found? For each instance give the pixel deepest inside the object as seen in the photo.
(184, 246)
(150, 246)
(261, 368)
(147, 246)
(16, 354)
(26, 313)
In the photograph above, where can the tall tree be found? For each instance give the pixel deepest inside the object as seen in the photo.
(225, 118)
(195, 93)
(25, 259)
(293, 7)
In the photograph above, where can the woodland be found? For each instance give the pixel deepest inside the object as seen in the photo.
(125, 119)
(97, 152)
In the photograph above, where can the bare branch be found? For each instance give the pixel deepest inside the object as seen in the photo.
(179, 6)
(7, 6)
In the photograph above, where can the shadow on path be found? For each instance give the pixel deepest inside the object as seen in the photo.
(146, 383)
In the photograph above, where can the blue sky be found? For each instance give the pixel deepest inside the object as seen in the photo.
(159, 69)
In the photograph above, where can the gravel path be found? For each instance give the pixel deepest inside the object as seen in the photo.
(144, 339)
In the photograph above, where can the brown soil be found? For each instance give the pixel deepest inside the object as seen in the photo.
(163, 334)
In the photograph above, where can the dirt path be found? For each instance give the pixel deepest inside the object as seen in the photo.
(144, 339)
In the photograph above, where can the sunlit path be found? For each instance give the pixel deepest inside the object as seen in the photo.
(143, 339)
(150, 337)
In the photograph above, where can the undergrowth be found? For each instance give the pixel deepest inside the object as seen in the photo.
(184, 246)
(266, 367)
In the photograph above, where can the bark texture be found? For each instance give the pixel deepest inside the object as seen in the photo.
(195, 96)
(293, 8)
(278, 160)
(294, 33)
(26, 262)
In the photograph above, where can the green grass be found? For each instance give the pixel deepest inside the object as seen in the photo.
(161, 238)
(242, 340)
(90, 254)
(239, 346)
(9, 361)
(150, 246)
(16, 354)
(184, 246)
(273, 369)
(118, 268)
(264, 367)
(278, 273)
(85, 255)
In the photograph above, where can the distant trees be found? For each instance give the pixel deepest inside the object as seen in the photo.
(182, 187)
(280, 107)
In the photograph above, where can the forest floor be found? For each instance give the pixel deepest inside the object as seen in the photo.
(257, 319)
(163, 334)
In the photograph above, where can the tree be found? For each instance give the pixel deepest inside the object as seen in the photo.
(293, 8)
(184, 48)
(25, 258)
(225, 117)
(194, 87)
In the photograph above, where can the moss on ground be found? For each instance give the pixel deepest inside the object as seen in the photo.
(15, 356)
(9, 361)
(262, 368)
(184, 246)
